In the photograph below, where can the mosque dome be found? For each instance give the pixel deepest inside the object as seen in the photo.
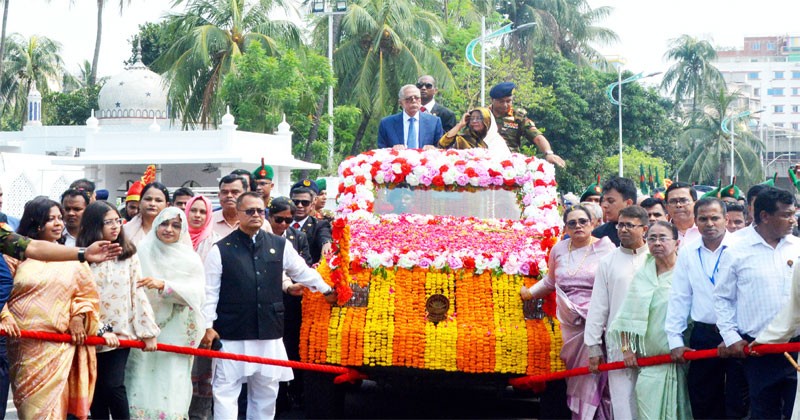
(137, 95)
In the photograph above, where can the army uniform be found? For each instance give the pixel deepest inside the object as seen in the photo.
(12, 244)
(512, 128)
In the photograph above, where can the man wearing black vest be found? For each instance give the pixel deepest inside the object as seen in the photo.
(244, 309)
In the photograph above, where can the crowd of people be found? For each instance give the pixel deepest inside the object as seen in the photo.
(671, 275)
(163, 268)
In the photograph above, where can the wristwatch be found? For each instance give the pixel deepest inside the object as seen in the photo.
(82, 255)
(549, 152)
(329, 292)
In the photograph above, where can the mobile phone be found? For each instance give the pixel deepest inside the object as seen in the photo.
(216, 344)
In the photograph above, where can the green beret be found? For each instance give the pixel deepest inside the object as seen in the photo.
(322, 184)
(593, 189)
(263, 171)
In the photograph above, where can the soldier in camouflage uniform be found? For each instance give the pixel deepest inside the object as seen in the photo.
(513, 124)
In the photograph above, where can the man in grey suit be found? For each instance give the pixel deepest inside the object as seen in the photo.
(427, 91)
(410, 128)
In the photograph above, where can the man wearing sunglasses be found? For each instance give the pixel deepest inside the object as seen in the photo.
(427, 91)
(318, 231)
(244, 309)
(409, 129)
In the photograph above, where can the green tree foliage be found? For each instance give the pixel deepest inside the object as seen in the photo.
(156, 39)
(215, 33)
(631, 159)
(70, 108)
(263, 88)
(35, 59)
(707, 147)
(692, 75)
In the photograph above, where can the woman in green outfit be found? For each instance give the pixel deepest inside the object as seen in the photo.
(661, 391)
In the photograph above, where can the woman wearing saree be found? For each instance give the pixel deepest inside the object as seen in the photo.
(661, 391)
(51, 380)
(572, 266)
(476, 129)
(159, 384)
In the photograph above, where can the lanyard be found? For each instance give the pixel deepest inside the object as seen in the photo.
(716, 265)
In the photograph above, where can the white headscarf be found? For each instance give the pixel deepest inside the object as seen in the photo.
(181, 270)
(496, 144)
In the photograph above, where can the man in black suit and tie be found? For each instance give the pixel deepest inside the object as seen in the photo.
(427, 91)
(318, 231)
(410, 128)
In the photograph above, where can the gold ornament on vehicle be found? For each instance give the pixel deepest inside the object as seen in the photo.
(437, 306)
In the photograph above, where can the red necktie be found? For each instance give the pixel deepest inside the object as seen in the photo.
(296, 225)
(423, 109)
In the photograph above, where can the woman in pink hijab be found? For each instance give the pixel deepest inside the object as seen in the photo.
(198, 214)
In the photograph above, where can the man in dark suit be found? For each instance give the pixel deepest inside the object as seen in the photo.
(427, 91)
(410, 128)
(317, 231)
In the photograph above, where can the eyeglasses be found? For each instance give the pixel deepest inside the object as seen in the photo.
(280, 220)
(572, 224)
(412, 99)
(252, 212)
(425, 85)
(112, 222)
(479, 119)
(263, 182)
(682, 201)
(302, 203)
(628, 226)
(661, 238)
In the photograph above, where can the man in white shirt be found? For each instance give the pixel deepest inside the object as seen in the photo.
(717, 388)
(680, 198)
(612, 279)
(226, 220)
(74, 203)
(754, 284)
(244, 309)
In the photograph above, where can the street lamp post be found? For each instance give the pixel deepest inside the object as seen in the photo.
(618, 101)
(732, 132)
(337, 7)
(470, 50)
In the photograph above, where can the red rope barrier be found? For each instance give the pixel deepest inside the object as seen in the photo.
(344, 374)
(535, 381)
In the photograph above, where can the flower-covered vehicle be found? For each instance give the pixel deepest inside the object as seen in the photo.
(430, 251)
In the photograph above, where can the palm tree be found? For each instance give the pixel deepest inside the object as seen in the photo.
(35, 59)
(693, 74)
(707, 147)
(214, 33)
(566, 26)
(3, 39)
(385, 44)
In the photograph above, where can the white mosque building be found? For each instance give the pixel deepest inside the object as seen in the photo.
(130, 131)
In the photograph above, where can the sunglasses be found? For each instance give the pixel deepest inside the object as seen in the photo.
(279, 220)
(425, 85)
(253, 212)
(577, 222)
(304, 203)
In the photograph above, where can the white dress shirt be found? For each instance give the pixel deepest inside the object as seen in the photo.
(405, 128)
(69, 240)
(293, 264)
(429, 106)
(692, 234)
(754, 284)
(692, 293)
(611, 282)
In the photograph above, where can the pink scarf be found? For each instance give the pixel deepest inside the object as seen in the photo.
(199, 234)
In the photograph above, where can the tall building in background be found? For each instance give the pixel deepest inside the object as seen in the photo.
(767, 73)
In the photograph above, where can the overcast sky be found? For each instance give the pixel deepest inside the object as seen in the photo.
(644, 26)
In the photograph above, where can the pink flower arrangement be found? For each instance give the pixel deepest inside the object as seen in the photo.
(409, 240)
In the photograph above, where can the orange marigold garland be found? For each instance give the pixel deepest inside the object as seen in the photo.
(340, 275)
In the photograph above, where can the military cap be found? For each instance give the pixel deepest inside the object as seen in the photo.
(715, 193)
(731, 191)
(322, 184)
(770, 182)
(501, 90)
(305, 183)
(593, 189)
(263, 171)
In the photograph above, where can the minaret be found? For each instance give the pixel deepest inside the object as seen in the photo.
(34, 107)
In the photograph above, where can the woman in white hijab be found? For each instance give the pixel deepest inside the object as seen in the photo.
(159, 384)
(477, 128)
